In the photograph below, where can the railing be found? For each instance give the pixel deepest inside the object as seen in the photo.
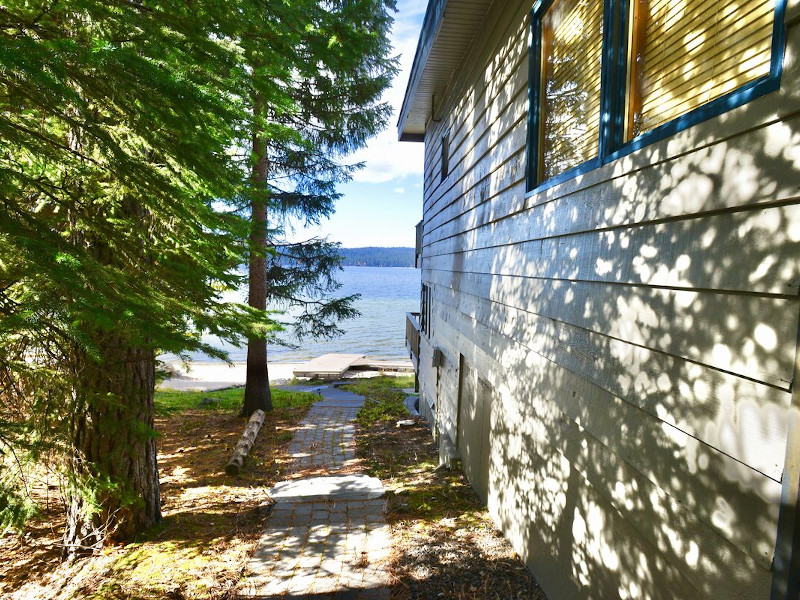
(412, 338)
(418, 250)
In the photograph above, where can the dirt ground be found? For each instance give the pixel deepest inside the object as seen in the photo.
(446, 545)
(211, 521)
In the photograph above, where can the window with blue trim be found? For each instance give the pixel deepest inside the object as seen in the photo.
(610, 76)
(571, 53)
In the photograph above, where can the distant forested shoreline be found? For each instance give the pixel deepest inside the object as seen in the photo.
(377, 257)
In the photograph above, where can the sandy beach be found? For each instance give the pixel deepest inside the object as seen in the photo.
(207, 376)
(204, 376)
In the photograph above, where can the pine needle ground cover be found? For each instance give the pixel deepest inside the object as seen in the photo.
(446, 545)
(211, 523)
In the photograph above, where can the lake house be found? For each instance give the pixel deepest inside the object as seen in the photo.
(610, 263)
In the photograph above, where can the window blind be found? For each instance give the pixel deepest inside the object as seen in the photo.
(685, 53)
(572, 42)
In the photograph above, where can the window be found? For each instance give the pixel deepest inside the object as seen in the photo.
(445, 156)
(610, 76)
(425, 311)
(685, 55)
(572, 43)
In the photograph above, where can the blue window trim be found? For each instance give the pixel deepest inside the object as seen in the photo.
(534, 87)
(534, 84)
(611, 144)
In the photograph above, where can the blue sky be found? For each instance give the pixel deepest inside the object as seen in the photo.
(383, 203)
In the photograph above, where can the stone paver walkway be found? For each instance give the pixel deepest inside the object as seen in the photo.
(326, 537)
(325, 439)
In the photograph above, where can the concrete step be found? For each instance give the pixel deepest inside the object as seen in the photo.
(337, 487)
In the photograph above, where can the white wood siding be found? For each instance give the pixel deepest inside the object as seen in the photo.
(638, 325)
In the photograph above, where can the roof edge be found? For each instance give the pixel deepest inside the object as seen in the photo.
(411, 137)
(430, 28)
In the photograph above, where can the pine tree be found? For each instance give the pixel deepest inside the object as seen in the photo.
(116, 120)
(306, 120)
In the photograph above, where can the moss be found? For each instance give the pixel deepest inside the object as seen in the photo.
(440, 496)
(405, 459)
(284, 436)
(156, 569)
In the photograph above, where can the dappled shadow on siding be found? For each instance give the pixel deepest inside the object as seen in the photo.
(640, 338)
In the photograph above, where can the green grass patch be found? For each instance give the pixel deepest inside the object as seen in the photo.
(168, 402)
(383, 398)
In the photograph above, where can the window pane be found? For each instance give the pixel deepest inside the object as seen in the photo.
(572, 42)
(688, 52)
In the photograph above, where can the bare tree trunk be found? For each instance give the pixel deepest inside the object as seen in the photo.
(114, 445)
(256, 391)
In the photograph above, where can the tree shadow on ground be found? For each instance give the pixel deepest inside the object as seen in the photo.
(211, 522)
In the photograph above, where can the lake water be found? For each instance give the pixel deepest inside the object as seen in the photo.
(387, 294)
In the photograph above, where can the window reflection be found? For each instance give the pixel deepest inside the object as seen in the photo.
(572, 41)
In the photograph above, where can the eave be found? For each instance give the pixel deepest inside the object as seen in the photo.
(447, 33)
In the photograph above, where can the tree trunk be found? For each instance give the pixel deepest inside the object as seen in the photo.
(114, 490)
(256, 390)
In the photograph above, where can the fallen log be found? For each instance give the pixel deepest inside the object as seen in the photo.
(245, 443)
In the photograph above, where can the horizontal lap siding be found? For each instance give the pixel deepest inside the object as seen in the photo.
(696, 469)
(505, 106)
(541, 456)
(638, 325)
(750, 336)
(739, 417)
(490, 108)
(672, 189)
(656, 254)
(470, 167)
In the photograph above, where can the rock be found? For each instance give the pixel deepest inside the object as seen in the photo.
(210, 401)
(406, 423)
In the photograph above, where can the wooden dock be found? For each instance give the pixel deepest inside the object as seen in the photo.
(327, 366)
(370, 364)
